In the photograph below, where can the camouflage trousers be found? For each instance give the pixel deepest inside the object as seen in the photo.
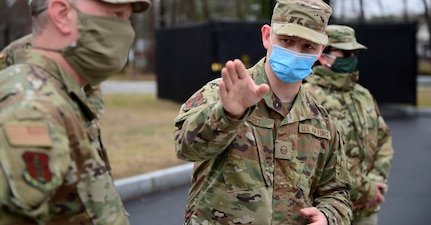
(371, 219)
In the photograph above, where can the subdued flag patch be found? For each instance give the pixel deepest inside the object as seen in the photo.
(28, 134)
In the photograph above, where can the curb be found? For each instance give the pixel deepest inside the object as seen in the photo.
(400, 110)
(136, 186)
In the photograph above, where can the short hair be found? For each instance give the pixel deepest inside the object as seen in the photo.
(39, 17)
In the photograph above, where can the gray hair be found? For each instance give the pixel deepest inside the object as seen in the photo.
(37, 7)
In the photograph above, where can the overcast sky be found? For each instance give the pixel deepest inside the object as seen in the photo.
(372, 7)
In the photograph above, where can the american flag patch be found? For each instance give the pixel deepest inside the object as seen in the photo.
(28, 134)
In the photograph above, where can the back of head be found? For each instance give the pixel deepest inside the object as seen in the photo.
(306, 19)
(343, 37)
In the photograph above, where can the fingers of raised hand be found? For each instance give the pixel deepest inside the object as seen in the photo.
(240, 69)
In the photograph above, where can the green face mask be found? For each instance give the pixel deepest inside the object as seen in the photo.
(102, 47)
(345, 65)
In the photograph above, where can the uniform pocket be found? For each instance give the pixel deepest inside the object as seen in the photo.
(245, 167)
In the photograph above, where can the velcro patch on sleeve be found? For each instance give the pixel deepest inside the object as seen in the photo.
(309, 129)
(194, 102)
(28, 134)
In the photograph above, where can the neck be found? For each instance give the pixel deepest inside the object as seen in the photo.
(57, 57)
(43, 43)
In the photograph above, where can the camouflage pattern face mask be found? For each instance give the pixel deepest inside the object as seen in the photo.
(102, 47)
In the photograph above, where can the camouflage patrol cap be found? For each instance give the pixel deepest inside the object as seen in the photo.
(343, 37)
(38, 6)
(137, 5)
(306, 19)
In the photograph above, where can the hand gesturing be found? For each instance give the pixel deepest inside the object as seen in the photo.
(237, 89)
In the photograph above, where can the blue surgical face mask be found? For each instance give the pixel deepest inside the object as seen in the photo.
(290, 66)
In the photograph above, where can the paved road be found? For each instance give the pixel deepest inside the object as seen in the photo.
(407, 202)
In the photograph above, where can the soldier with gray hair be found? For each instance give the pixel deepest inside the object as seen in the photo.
(368, 140)
(92, 92)
(265, 151)
(53, 166)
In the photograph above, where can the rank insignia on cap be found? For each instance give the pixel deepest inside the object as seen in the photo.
(28, 134)
(37, 171)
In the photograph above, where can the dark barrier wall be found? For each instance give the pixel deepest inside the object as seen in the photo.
(183, 60)
(389, 67)
(188, 57)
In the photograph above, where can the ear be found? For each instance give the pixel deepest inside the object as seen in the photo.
(321, 51)
(266, 35)
(60, 14)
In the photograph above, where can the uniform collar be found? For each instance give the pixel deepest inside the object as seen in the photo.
(27, 56)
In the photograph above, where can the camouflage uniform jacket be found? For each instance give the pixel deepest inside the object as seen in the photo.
(52, 166)
(368, 140)
(264, 168)
(93, 92)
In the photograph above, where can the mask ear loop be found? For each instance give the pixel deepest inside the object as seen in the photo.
(329, 56)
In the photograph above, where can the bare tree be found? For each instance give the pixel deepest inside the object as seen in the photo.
(361, 11)
(406, 16)
(266, 8)
(381, 7)
(428, 19)
(205, 10)
(172, 9)
(343, 10)
(239, 9)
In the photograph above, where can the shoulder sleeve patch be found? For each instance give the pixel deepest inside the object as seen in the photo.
(37, 171)
(194, 102)
(309, 129)
(28, 134)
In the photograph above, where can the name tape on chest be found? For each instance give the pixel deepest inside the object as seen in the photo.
(309, 129)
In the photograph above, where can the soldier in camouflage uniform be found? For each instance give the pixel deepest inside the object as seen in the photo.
(93, 92)
(53, 167)
(368, 141)
(265, 152)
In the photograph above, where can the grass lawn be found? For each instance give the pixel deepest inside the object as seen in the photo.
(137, 130)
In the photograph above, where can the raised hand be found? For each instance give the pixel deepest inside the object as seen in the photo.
(237, 89)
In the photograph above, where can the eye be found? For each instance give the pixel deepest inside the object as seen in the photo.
(307, 48)
(286, 41)
(121, 12)
(121, 15)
